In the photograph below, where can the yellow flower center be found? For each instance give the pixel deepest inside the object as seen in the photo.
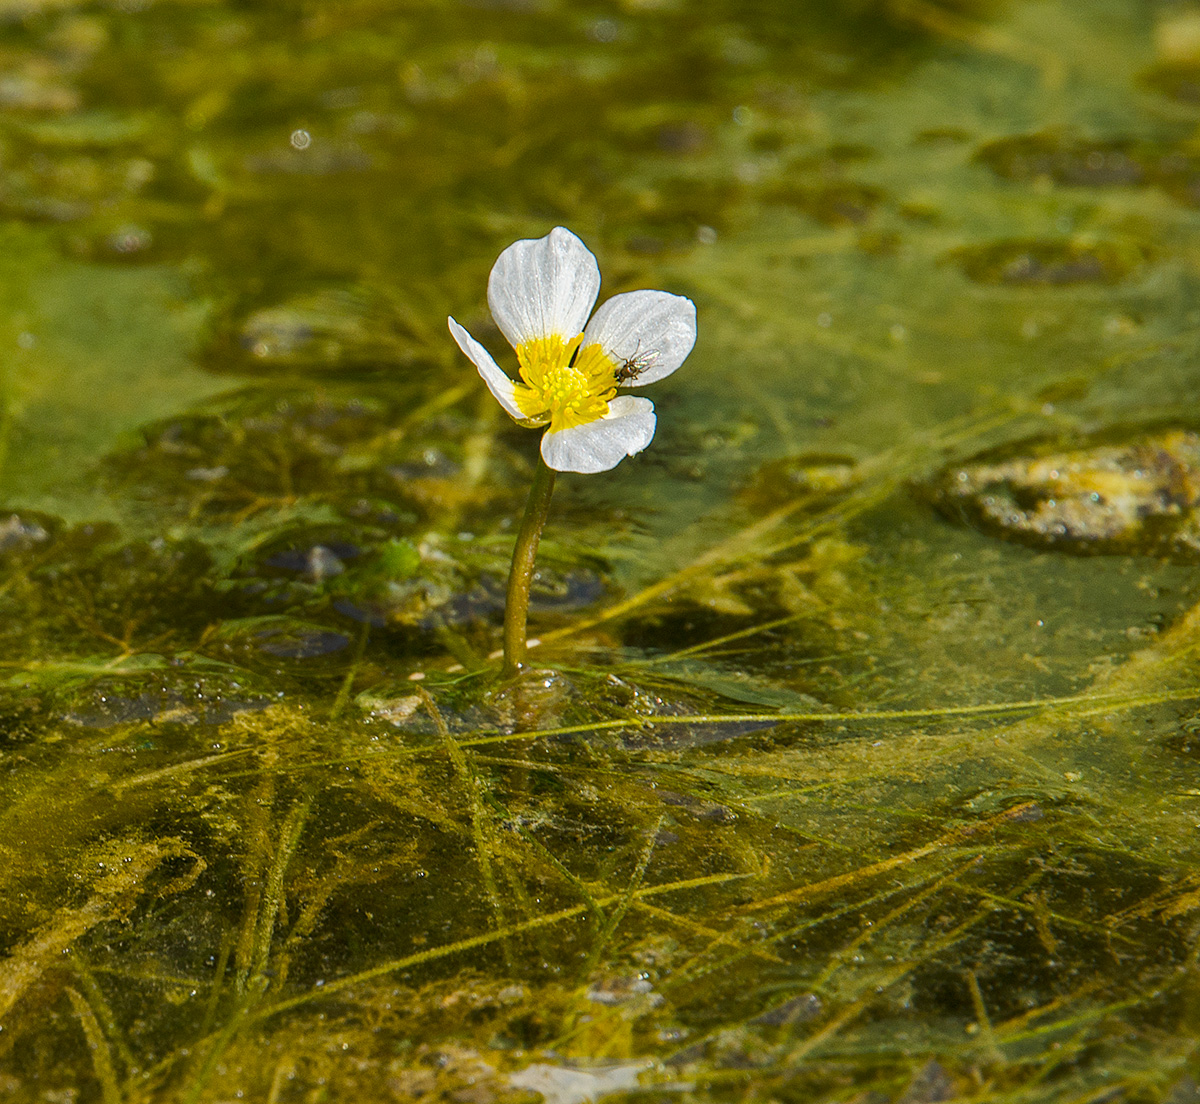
(564, 385)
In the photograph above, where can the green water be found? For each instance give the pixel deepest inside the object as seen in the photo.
(817, 793)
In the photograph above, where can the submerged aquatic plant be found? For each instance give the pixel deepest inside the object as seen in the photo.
(541, 292)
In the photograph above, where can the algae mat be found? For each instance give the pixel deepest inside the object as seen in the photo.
(859, 762)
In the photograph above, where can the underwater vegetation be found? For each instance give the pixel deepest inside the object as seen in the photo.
(854, 760)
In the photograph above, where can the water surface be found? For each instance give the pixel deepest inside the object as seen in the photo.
(859, 763)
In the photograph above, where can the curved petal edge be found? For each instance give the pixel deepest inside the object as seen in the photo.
(598, 446)
(540, 287)
(652, 329)
(497, 382)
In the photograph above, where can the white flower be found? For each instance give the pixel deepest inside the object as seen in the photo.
(541, 292)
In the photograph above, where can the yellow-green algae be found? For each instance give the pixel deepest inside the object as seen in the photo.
(819, 795)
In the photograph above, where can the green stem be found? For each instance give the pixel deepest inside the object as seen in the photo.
(516, 607)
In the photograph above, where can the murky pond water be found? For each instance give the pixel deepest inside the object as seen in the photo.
(859, 762)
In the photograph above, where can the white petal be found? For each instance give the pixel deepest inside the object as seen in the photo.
(543, 286)
(654, 328)
(626, 429)
(498, 383)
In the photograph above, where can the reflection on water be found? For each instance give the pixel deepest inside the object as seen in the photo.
(859, 763)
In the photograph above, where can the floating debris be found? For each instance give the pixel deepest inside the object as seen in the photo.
(1137, 495)
(561, 1085)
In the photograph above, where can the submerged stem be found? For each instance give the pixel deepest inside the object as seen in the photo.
(516, 606)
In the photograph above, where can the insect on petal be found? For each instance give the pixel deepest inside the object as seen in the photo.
(654, 330)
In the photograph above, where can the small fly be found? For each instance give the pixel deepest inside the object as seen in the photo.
(634, 366)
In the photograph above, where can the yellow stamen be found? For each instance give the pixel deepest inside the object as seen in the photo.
(559, 391)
